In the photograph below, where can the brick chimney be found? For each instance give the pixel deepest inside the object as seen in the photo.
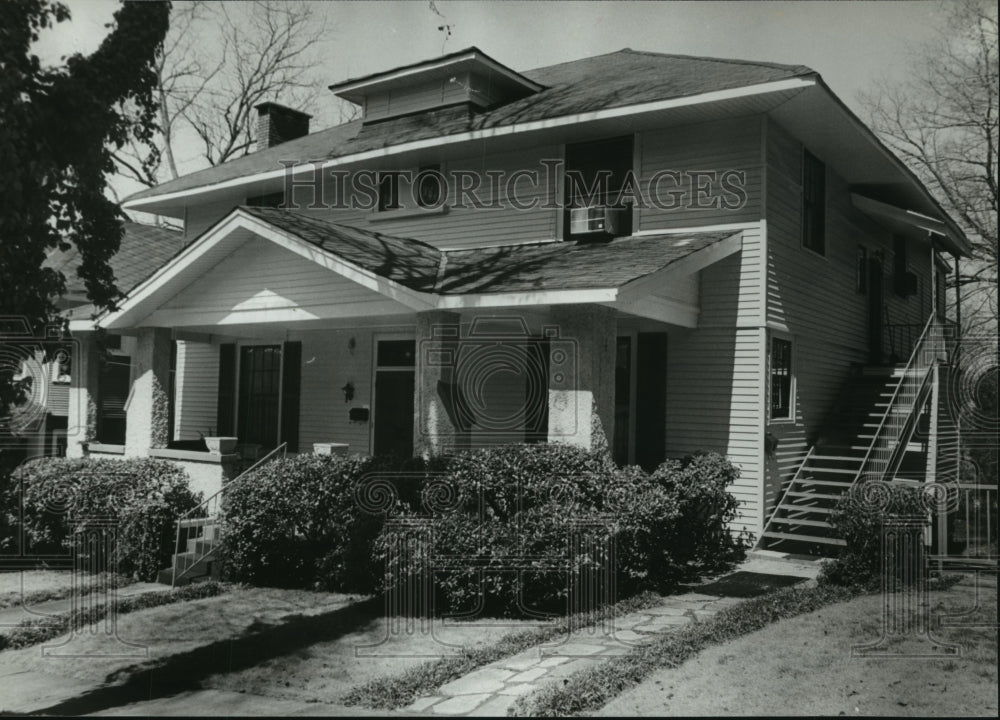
(277, 124)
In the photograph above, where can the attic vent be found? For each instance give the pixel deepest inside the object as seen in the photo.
(277, 124)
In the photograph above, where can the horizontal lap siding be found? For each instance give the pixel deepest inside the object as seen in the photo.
(814, 298)
(261, 274)
(469, 226)
(714, 394)
(329, 363)
(732, 144)
(197, 388)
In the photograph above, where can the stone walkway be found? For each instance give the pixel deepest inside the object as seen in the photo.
(493, 688)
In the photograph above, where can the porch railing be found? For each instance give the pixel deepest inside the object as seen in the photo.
(899, 419)
(201, 523)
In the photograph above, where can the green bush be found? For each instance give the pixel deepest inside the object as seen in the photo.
(142, 497)
(525, 501)
(508, 502)
(859, 520)
(701, 538)
(297, 522)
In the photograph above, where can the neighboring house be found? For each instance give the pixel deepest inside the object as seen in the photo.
(143, 249)
(785, 249)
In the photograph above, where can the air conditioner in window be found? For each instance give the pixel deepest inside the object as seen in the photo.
(595, 219)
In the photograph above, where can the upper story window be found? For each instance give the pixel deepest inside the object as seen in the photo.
(861, 278)
(596, 174)
(904, 282)
(813, 203)
(780, 363)
(388, 191)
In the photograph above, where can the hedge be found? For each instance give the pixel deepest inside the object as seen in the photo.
(141, 497)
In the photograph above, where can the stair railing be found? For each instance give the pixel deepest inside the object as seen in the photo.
(783, 493)
(208, 513)
(899, 417)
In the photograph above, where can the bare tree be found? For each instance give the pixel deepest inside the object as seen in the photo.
(265, 54)
(943, 124)
(220, 60)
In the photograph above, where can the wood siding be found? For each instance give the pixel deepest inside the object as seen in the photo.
(196, 391)
(714, 388)
(260, 278)
(717, 147)
(814, 299)
(329, 361)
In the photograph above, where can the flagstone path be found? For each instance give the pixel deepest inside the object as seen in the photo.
(493, 688)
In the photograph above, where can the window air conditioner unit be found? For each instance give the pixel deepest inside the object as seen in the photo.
(595, 219)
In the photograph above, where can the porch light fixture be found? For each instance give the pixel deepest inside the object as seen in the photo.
(348, 392)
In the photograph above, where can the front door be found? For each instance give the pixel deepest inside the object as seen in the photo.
(875, 311)
(260, 390)
(394, 388)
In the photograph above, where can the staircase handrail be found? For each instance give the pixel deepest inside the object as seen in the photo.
(918, 349)
(202, 507)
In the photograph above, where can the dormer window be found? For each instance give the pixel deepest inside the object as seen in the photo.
(467, 78)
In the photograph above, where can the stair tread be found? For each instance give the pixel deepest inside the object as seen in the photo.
(821, 481)
(836, 471)
(805, 538)
(806, 508)
(819, 496)
(801, 521)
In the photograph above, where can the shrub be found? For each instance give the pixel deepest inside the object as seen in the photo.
(520, 501)
(503, 503)
(297, 522)
(859, 521)
(143, 497)
(701, 537)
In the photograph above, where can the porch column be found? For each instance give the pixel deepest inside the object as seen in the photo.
(435, 431)
(147, 423)
(85, 371)
(582, 399)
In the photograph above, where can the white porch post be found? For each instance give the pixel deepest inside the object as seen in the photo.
(81, 421)
(434, 433)
(147, 416)
(582, 402)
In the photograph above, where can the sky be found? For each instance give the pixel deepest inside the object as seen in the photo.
(851, 44)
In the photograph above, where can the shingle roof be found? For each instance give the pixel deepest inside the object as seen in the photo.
(618, 79)
(516, 268)
(143, 249)
(409, 262)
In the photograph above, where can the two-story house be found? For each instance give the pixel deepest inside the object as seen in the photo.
(681, 253)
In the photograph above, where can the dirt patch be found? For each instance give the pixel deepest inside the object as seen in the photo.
(804, 666)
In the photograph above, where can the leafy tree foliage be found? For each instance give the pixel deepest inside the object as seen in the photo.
(58, 127)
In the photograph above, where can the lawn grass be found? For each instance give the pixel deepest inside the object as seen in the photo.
(31, 587)
(387, 693)
(805, 666)
(35, 631)
(592, 688)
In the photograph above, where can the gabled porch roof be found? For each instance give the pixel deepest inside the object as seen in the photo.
(411, 276)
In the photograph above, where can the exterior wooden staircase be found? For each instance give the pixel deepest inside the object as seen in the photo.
(866, 438)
